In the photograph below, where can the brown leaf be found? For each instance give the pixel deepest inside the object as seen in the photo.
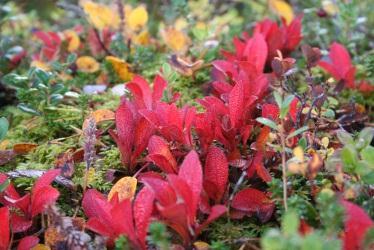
(6, 156)
(65, 161)
(24, 148)
(184, 67)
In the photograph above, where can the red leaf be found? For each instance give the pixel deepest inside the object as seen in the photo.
(163, 192)
(143, 207)
(258, 165)
(4, 228)
(160, 154)
(184, 194)
(215, 173)
(44, 197)
(294, 109)
(143, 131)
(125, 124)
(253, 200)
(20, 223)
(236, 104)
(293, 36)
(122, 221)
(159, 85)
(141, 91)
(356, 224)
(95, 205)
(270, 111)
(216, 212)
(256, 52)
(45, 180)
(191, 172)
(262, 138)
(28, 243)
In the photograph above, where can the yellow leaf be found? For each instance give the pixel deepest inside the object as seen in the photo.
(101, 16)
(201, 245)
(180, 24)
(87, 64)
(330, 7)
(120, 67)
(137, 18)
(4, 144)
(282, 9)
(100, 116)
(125, 188)
(73, 40)
(298, 152)
(142, 38)
(41, 65)
(176, 40)
(91, 175)
(325, 142)
(41, 247)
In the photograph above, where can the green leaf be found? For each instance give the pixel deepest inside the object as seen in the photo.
(267, 122)
(4, 185)
(329, 113)
(286, 106)
(366, 135)
(278, 99)
(344, 137)
(27, 109)
(290, 223)
(71, 58)
(297, 132)
(349, 158)
(15, 80)
(367, 155)
(4, 126)
(42, 75)
(303, 143)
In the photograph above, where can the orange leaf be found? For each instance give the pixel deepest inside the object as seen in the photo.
(125, 188)
(24, 148)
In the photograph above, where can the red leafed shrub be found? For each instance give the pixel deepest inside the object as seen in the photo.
(179, 197)
(25, 208)
(356, 224)
(340, 66)
(114, 218)
(251, 201)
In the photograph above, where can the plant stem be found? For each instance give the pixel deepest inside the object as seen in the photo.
(284, 173)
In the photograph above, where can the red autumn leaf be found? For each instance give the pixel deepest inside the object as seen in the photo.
(258, 167)
(159, 85)
(4, 228)
(44, 197)
(141, 92)
(270, 111)
(143, 208)
(216, 212)
(215, 173)
(51, 43)
(160, 154)
(95, 204)
(45, 180)
(236, 104)
(252, 200)
(356, 224)
(339, 64)
(191, 172)
(28, 243)
(164, 194)
(256, 52)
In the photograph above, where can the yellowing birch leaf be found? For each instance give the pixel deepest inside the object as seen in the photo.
(100, 116)
(41, 65)
(142, 38)
(100, 15)
(201, 245)
(87, 64)
(298, 152)
(120, 67)
(41, 247)
(73, 40)
(330, 7)
(282, 9)
(137, 18)
(125, 188)
(176, 40)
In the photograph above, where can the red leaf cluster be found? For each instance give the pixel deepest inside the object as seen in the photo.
(25, 208)
(115, 218)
